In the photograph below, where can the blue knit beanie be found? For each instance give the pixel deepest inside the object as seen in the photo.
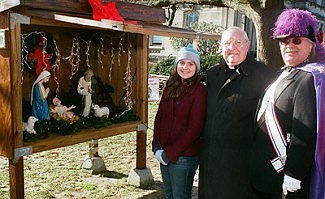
(190, 53)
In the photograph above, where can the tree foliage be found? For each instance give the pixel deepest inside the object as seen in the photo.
(208, 46)
(167, 67)
(177, 43)
(163, 67)
(204, 46)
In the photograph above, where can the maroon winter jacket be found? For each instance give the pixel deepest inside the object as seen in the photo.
(179, 122)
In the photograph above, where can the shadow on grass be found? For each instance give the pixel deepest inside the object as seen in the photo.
(113, 174)
(158, 194)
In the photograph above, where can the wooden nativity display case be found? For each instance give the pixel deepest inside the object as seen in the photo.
(118, 60)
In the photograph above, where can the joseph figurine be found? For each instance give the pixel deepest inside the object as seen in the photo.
(87, 88)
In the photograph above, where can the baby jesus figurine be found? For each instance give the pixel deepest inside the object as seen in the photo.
(62, 111)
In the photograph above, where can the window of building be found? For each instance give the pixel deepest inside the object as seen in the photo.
(191, 18)
(157, 40)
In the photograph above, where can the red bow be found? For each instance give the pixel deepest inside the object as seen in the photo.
(107, 11)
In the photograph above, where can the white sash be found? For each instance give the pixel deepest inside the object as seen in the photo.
(273, 127)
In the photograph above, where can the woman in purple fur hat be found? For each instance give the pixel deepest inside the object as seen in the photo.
(289, 148)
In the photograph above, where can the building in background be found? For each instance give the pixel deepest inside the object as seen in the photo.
(187, 15)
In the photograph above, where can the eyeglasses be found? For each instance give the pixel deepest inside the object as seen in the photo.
(237, 43)
(286, 41)
(294, 40)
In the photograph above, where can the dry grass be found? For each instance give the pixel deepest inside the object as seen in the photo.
(58, 173)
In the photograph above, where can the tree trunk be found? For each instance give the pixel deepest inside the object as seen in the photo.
(267, 48)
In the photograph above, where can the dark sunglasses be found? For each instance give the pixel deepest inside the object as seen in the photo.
(294, 40)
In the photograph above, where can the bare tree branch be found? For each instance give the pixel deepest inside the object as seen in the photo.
(172, 16)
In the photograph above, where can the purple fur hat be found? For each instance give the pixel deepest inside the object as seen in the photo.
(298, 23)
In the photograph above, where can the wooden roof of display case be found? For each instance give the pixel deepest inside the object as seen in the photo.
(149, 19)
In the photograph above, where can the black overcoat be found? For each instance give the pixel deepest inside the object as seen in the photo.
(228, 133)
(295, 108)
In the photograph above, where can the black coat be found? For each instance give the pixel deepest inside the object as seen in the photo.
(228, 134)
(295, 107)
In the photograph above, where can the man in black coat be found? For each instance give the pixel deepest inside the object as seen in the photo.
(289, 116)
(234, 87)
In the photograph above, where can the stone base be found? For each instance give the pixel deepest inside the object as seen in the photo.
(140, 177)
(95, 164)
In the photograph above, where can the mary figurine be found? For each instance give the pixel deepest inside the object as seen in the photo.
(39, 93)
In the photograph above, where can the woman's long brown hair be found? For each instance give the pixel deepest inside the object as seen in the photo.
(175, 86)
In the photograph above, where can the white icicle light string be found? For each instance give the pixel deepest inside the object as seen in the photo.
(74, 57)
(112, 60)
(56, 66)
(87, 53)
(100, 51)
(128, 82)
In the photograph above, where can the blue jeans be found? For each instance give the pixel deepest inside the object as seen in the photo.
(178, 177)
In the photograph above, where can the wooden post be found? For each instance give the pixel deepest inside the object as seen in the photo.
(16, 179)
(93, 148)
(16, 169)
(142, 107)
(141, 150)
(94, 162)
(195, 43)
(141, 176)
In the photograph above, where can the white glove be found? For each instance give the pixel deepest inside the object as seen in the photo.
(290, 184)
(158, 156)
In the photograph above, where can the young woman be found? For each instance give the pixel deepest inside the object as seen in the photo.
(178, 124)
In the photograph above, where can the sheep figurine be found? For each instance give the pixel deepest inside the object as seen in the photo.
(29, 125)
(101, 111)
